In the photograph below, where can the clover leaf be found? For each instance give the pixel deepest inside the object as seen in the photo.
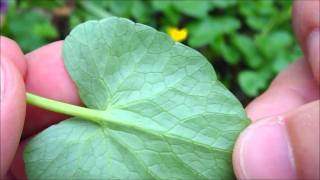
(155, 110)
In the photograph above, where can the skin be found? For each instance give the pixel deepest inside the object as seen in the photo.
(47, 77)
(12, 100)
(282, 142)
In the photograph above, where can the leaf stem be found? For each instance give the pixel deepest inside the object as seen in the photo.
(64, 108)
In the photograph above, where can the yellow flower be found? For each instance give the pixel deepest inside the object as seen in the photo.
(177, 34)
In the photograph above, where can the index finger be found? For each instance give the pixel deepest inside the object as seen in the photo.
(47, 77)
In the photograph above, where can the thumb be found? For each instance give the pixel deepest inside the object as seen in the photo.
(281, 147)
(12, 112)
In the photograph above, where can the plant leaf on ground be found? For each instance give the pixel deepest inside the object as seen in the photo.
(252, 82)
(204, 32)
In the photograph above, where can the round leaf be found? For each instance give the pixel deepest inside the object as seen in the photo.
(163, 113)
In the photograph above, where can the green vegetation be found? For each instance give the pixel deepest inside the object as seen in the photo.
(248, 42)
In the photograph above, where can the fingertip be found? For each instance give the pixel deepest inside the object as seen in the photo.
(263, 151)
(12, 112)
(11, 50)
(303, 131)
(17, 168)
(280, 147)
(47, 77)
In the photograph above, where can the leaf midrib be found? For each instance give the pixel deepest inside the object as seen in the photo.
(106, 118)
(103, 118)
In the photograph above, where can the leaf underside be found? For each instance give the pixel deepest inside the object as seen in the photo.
(171, 117)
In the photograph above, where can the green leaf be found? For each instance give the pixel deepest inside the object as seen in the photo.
(230, 54)
(256, 8)
(257, 23)
(258, 14)
(248, 48)
(96, 9)
(161, 5)
(201, 33)
(204, 32)
(172, 17)
(161, 113)
(121, 8)
(35, 25)
(273, 44)
(41, 4)
(223, 4)
(252, 82)
(280, 62)
(197, 9)
(283, 58)
(140, 11)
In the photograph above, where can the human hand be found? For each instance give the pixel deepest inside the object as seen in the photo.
(45, 76)
(283, 140)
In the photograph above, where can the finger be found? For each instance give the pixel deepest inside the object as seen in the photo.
(313, 55)
(306, 19)
(303, 131)
(281, 147)
(9, 177)
(12, 112)
(292, 88)
(47, 77)
(12, 51)
(17, 168)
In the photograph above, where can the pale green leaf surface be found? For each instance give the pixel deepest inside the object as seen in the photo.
(165, 114)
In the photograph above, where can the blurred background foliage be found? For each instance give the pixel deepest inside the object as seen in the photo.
(247, 41)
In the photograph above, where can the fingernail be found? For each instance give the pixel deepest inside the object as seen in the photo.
(265, 151)
(5, 78)
(313, 46)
